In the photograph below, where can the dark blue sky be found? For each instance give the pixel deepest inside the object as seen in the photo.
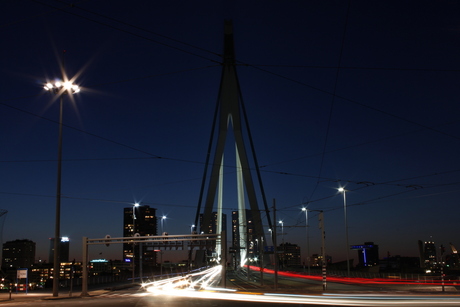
(367, 100)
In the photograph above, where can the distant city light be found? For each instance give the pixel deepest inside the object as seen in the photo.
(65, 239)
(99, 260)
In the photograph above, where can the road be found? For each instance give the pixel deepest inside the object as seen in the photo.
(179, 292)
(128, 297)
(136, 298)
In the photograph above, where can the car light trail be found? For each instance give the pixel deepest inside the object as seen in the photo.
(334, 300)
(193, 281)
(199, 285)
(358, 280)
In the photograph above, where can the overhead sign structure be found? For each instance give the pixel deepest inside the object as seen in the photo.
(194, 241)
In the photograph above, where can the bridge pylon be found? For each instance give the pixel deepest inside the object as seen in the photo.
(229, 115)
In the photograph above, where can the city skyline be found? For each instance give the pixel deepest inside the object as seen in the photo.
(338, 94)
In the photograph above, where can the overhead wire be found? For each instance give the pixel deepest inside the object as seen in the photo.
(62, 9)
(357, 68)
(356, 145)
(245, 64)
(331, 108)
(254, 66)
(241, 63)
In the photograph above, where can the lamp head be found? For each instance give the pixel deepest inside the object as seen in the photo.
(67, 87)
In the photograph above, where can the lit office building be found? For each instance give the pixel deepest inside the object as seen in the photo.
(64, 245)
(247, 241)
(213, 224)
(368, 254)
(289, 255)
(18, 254)
(428, 259)
(142, 220)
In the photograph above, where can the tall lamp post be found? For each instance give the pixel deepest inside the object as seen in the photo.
(161, 253)
(282, 239)
(134, 234)
(162, 219)
(308, 239)
(344, 192)
(282, 230)
(59, 88)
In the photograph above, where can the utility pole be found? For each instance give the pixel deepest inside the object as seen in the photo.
(261, 259)
(323, 249)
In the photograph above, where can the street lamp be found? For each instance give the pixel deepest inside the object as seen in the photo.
(308, 239)
(134, 233)
(282, 230)
(162, 219)
(342, 190)
(134, 217)
(282, 239)
(191, 228)
(59, 88)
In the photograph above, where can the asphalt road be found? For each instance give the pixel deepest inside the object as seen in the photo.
(291, 291)
(135, 297)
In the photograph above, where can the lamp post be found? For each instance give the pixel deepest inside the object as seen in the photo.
(162, 219)
(191, 229)
(282, 231)
(161, 253)
(342, 190)
(134, 233)
(282, 241)
(59, 88)
(308, 239)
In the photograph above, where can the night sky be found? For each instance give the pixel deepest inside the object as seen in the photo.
(358, 94)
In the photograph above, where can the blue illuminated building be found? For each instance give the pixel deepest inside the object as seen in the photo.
(368, 254)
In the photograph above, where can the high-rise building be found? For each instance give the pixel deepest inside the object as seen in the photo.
(246, 243)
(368, 254)
(429, 255)
(214, 248)
(213, 223)
(64, 245)
(289, 254)
(142, 220)
(18, 254)
(236, 227)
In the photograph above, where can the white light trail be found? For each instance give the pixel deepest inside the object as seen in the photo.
(199, 285)
(193, 281)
